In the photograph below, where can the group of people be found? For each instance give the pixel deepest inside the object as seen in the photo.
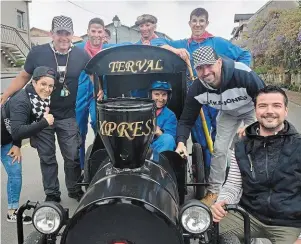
(65, 111)
(265, 170)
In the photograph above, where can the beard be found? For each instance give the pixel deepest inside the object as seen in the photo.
(270, 122)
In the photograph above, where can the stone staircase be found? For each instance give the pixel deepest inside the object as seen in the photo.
(14, 48)
(12, 56)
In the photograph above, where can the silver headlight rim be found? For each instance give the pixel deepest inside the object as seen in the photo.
(56, 207)
(195, 203)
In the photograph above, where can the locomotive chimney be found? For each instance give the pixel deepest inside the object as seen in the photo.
(126, 127)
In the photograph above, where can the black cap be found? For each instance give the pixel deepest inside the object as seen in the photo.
(43, 71)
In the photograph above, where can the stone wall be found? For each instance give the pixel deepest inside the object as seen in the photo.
(287, 79)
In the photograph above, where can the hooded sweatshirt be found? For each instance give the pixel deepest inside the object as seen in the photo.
(270, 169)
(239, 85)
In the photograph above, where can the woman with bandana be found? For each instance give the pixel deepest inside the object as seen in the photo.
(24, 115)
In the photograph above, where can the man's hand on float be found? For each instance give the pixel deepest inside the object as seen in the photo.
(183, 54)
(218, 211)
(100, 95)
(182, 150)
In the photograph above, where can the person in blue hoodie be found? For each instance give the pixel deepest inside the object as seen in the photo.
(200, 37)
(165, 133)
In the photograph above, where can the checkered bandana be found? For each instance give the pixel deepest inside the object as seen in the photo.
(38, 105)
(203, 56)
(7, 124)
(62, 23)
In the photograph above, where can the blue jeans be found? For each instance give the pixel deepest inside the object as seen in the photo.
(14, 180)
(165, 142)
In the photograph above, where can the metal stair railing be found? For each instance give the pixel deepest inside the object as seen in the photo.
(11, 36)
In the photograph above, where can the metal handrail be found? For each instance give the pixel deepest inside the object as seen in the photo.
(11, 35)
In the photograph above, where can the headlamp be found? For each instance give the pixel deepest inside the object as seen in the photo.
(195, 217)
(48, 217)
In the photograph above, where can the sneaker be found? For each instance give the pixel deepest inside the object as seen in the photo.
(52, 198)
(209, 199)
(27, 220)
(76, 195)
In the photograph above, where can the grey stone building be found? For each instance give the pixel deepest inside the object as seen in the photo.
(15, 39)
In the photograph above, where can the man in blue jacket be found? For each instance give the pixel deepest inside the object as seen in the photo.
(85, 102)
(200, 37)
(165, 133)
(225, 85)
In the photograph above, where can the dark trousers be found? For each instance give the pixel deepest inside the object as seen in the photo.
(69, 141)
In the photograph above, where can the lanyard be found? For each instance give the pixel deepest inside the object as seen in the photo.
(62, 79)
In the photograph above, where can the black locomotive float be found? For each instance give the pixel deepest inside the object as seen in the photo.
(129, 198)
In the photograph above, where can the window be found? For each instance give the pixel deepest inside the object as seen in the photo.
(20, 19)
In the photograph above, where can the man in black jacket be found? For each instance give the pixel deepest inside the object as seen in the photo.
(265, 175)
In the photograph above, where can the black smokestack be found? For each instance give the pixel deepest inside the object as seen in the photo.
(126, 126)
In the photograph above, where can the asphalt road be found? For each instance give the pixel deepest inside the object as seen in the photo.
(33, 189)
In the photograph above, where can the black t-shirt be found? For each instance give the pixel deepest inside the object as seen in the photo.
(43, 55)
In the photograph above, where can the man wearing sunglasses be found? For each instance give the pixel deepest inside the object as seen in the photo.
(68, 61)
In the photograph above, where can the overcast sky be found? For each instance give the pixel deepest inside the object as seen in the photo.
(173, 16)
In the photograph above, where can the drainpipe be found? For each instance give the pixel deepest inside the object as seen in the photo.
(28, 24)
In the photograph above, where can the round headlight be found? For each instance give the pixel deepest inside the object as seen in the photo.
(47, 220)
(195, 219)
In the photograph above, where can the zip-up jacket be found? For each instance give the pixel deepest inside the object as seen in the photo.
(222, 47)
(270, 169)
(239, 85)
(167, 122)
(19, 110)
(6, 137)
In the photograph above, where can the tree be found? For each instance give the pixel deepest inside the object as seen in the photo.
(275, 41)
